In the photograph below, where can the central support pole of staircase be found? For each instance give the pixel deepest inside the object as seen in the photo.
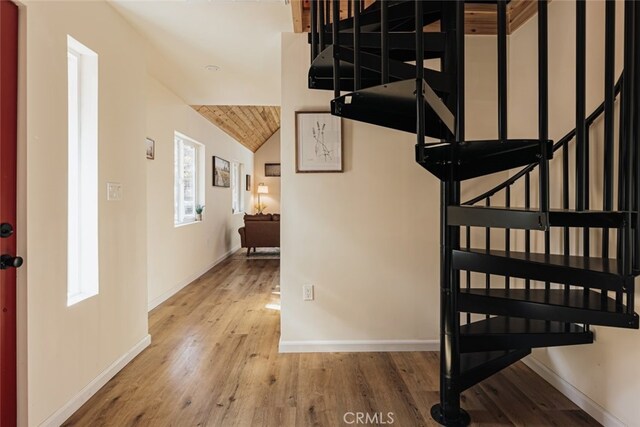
(448, 411)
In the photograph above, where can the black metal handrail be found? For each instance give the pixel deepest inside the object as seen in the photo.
(564, 140)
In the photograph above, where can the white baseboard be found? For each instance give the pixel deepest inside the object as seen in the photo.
(583, 401)
(177, 288)
(62, 414)
(358, 346)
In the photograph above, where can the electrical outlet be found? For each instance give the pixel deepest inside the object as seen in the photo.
(307, 292)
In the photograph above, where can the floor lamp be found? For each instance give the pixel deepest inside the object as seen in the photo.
(262, 189)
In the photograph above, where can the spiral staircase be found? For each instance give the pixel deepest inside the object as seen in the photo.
(368, 59)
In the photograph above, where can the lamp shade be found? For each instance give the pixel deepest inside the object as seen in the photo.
(263, 189)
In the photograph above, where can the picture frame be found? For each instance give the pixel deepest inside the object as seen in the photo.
(319, 144)
(150, 147)
(272, 169)
(221, 172)
(248, 183)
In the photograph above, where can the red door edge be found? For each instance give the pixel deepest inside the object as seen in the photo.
(8, 176)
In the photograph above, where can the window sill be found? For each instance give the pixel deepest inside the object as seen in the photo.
(75, 299)
(184, 224)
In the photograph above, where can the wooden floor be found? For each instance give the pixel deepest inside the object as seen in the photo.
(214, 362)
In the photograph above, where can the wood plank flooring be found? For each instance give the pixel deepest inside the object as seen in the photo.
(214, 361)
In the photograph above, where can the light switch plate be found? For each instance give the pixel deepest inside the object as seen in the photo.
(114, 191)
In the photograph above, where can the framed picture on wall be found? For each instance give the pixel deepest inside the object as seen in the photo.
(221, 172)
(272, 169)
(248, 183)
(151, 148)
(318, 142)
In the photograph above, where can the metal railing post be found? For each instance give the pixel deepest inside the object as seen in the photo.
(335, 33)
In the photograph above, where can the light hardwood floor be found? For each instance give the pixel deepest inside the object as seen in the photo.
(214, 362)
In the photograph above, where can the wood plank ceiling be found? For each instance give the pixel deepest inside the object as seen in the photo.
(480, 18)
(250, 125)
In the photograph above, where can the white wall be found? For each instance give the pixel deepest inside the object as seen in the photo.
(69, 347)
(368, 238)
(268, 153)
(603, 377)
(178, 255)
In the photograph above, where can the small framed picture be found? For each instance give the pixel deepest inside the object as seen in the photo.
(318, 142)
(248, 183)
(272, 169)
(151, 149)
(221, 172)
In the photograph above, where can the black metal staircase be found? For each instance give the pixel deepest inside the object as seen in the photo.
(528, 298)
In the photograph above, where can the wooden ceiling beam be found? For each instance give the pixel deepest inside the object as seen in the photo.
(250, 125)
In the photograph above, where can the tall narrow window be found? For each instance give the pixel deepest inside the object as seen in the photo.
(82, 178)
(189, 179)
(237, 201)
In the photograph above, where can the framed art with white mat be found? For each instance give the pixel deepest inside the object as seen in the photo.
(318, 142)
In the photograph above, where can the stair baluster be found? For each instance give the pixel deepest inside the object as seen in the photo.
(327, 13)
(502, 100)
(335, 35)
(543, 117)
(322, 23)
(636, 133)
(420, 107)
(313, 17)
(527, 233)
(357, 70)
(609, 98)
(487, 246)
(582, 132)
(468, 281)
(507, 234)
(626, 138)
(630, 169)
(384, 41)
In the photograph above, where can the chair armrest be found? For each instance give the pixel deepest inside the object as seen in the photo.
(243, 237)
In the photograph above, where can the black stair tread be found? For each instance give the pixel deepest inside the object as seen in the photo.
(394, 106)
(593, 272)
(574, 305)
(533, 219)
(401, 44)
(504, 333)
(478, 158)
(500, 325)
(321, 71)
(594, 264)
(478, 366)
(574, 298)
(476, 359)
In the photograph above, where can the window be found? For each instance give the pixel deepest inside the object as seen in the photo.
(82, 178)
(237, 201)
(189, 179)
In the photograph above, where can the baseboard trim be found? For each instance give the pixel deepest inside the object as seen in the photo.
(358, 346)
(62, 414)
(583, 401)
(177, 288)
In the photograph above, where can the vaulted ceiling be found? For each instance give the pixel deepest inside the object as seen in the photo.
(480, 18)
(250, 125)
